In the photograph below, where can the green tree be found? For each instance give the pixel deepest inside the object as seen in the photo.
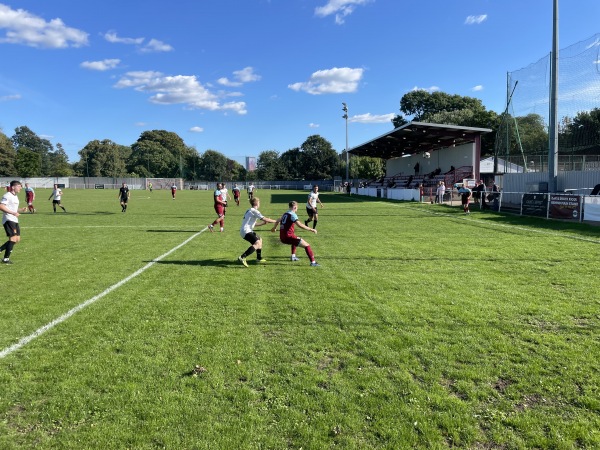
(235, 170)
(25, 138)
(582, 133)
(320, 160)
(366, 167)
(399, 120)
(150, 159)
(158, 153)
(291, 162)
(213, 166)
(533, 134)
(28, 163)
(192, 164)
(443, 108)
(8, 156)
(59, 163)
(103, 159)
(269, 166)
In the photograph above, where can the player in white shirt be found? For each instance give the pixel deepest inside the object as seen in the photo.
(250, 190)
(247, 231)
(225, 196)
(311, 207)
(57, 194)
(9, 205)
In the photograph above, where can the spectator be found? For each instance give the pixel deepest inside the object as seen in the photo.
(441, 190)
(479, 194)
(495, 196)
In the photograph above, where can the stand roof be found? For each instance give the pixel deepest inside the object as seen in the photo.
(417, 137)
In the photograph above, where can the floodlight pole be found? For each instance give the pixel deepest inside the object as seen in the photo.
(345, 116)
(553, 122)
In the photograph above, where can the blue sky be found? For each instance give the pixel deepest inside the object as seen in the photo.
(245, 76)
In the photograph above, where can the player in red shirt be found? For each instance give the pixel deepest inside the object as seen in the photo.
(287, 236)
(219, 209)
(236, 194)
(29, 197)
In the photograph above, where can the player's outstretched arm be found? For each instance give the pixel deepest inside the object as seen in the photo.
(304, 227)
(276, 222)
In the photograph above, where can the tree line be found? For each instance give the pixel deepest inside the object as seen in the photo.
(161, 153)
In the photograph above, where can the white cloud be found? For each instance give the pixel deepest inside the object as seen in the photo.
(246, 75)
(111, 36)
(105, 64)
(196, 129)
(331, 81)
(227, 82)
(156, 46)
(25, 28)
(178, 89)
(7, 98)
(141, 124)
(429, 89)
(475, 20)
(153, 45)
(477, 88)
(341, 9)
(371, 118)
(313, 125)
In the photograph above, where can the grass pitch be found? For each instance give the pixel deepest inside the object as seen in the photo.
(423, 328)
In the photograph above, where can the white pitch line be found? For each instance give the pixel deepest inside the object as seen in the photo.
(24, 341)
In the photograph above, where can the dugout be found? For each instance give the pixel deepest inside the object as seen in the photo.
(418, 149)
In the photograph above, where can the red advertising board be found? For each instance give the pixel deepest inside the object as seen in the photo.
(565, 206)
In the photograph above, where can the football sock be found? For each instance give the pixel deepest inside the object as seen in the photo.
(315, 224)
(248, 252)
(294, 247)
(8, 249)
(310, 254)
(306, 222)
(259, 254)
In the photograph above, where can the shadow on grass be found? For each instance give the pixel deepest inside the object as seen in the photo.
(275, 261)
(75, 213)
(301, 198)
(201, 263)
(540, 223)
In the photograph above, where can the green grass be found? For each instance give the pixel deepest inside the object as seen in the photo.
(422, 328)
